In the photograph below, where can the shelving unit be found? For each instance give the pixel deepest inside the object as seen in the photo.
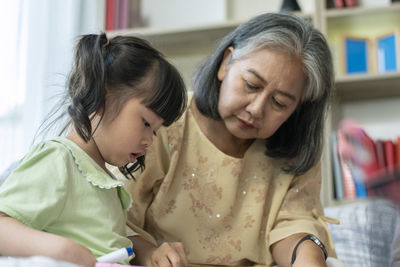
(351, 90)
(187, 46)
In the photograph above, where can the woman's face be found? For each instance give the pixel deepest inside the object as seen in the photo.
(259, 92)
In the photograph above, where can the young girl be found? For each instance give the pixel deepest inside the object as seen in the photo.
(61, 201)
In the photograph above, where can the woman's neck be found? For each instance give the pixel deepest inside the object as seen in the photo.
(89, 147)
(219, 135)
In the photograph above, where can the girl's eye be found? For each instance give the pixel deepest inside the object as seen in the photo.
(251, 86)
(154, 132)
(146, 124)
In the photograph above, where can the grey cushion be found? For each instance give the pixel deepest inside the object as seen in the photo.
(365, 233)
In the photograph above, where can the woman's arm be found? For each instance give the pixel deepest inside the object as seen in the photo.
(307, 254)
(166, 255)
(19, 240)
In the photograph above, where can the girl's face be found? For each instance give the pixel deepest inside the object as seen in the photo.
(126, 136)
(259, 92)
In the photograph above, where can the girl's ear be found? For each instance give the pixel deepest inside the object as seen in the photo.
(223, 68)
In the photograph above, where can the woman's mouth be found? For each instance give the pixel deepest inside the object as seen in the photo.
(245, 125)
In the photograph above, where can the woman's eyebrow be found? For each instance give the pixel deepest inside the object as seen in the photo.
(292, 97)
(255, 73)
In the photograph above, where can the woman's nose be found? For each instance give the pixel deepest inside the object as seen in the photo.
(257, 106)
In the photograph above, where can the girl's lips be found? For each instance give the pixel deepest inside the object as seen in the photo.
(245, 125)
(134, 156)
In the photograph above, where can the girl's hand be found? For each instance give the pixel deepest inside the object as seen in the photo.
(16, 235)
(167, 255)
(71, 251)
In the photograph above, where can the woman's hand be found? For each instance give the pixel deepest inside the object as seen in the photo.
(167, 255)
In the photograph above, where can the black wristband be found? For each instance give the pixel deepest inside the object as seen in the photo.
(312, 238)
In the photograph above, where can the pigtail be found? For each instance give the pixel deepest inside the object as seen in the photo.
(86, 85)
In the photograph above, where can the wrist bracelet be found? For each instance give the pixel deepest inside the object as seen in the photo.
(312, 238)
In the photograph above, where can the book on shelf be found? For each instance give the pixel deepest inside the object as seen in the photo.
(389, 156)
(341, 3)
(397, 152)
(125, 14)
(337, 4)
(367, 167)
(135, 14)
(349, 187)
(380, 153)
(337, 171)
(110, 14)
(350, 3)
(117, 14)
(122, 14)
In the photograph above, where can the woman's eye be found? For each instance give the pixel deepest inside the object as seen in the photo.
(154, 132)
(251, 86)
(277, 103)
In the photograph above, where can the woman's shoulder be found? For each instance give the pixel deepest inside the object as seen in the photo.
(176, 129)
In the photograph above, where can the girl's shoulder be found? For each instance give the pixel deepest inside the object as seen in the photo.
(51, 149)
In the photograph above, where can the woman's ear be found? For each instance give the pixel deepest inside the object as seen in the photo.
(223, 68)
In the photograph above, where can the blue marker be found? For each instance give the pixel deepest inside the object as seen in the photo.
(116, 256)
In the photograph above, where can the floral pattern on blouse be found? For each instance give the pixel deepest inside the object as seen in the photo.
(225, 210)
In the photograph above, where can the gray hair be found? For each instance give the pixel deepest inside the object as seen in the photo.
(283, 39)
(299, 139)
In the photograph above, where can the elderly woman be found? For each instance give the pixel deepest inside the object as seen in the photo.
(236, 181)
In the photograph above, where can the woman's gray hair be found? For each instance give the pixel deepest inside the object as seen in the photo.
(300, 138)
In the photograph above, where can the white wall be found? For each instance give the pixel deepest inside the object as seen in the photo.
(177, 13)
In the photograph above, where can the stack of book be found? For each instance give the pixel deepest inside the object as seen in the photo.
(363, 167)
(122, 14)
(341, 3)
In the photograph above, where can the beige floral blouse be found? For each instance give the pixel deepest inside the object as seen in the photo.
(225, 210)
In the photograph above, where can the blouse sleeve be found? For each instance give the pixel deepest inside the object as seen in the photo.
(296, 213)
(36, 192)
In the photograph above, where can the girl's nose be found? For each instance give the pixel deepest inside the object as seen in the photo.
(148, 139)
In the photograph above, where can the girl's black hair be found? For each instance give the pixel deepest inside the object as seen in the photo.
(121, 64)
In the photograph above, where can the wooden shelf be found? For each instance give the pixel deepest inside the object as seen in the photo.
(368, 86)
(191, 36)
(187, 36)
(353, 11)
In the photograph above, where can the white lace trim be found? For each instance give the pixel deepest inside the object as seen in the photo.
(87, 177)
(119, 184)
